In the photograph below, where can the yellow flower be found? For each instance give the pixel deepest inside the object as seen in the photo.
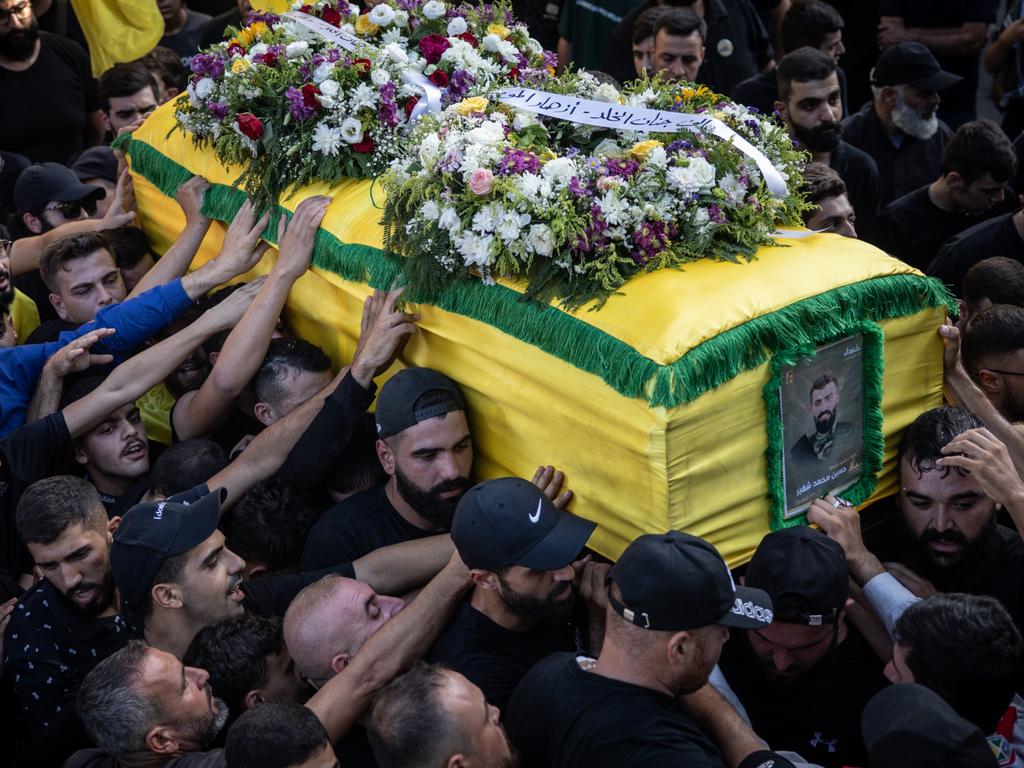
(692, 93)
(250, 33)
(239, 65)
(639, 151)
(498, 29)
(364, 26)
(469, 106)
(547, 155)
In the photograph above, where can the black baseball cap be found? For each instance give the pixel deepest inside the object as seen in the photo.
(396, 403)
(674, 581)
(913, 64)
(96, 163)
(910, 726)
(42, 183)
(509, 521)
(151, 532)
(804, 572)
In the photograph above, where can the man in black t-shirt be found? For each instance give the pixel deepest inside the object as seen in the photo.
(1001, 236)
(805, 679)
(670, 600)
(520, 550)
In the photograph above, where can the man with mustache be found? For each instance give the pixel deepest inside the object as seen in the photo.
(520, 550)
(811, 107)
(34, 63)
(23, 313)
(831, 436)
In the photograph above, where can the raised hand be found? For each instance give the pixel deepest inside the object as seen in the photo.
(190, 198)
(985, 456)
(297, 236)
(242, 249)
(76, 356)
(383, 333)
(227, 314)
(122, 210)
(841, 522)
(550, 481)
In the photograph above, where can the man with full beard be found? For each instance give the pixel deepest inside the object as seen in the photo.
(34, 63)
(832, 439)
(520, 550)
(811, 107)
(425, 447)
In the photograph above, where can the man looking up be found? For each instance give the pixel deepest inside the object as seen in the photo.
(976, 165)
(811, 107)
(678, 50)
(520, 550)
(671, 600)
(787, 674)
(900, 128)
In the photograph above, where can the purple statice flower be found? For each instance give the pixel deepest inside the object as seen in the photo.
(594, 239)
(333, 55)
(459, 83)
(297, 105)
(549, 59)
(754, 126)
(270, 19)
(218, 109)
(316, 60)
(517, 162)
(620, 166)
(388, 108)
(716, 215)
(207, 64)
(677, 146)
(408, 5)
(304, 71)
(277, 49)
(650, 239)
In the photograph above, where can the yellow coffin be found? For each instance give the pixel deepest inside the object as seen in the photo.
(654, 405)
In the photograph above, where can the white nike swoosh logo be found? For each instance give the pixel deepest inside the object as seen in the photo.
(535, 517)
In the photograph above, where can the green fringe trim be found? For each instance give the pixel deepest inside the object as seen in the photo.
(574, 341)
(873, 453)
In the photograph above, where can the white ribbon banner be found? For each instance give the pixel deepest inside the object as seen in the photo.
(605, 115)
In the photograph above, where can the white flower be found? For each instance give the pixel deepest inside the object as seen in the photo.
(205, 87)
(354, 10)
(606, 92)
(533, 187)
(698, 175)
(379, 77)
(534, 46)
(326, 139)
(362, 95)
(475, 249)
(401, 18)
(490, 43)
(348, 28)
(734, 190)
(430, 211)
(352, 130)
(430, 151)
(615, 211)
(323, 72)
(523, 120)
(330, 88)
(541, 240)
(382, 14)
(607, 147)
(486, 219)
(258, 50)
(449, 219)
(641, 99)
(395, 52)
(508, 51)
(559, 171)
(393, 35)
(434, 9)
(294, 50)
(457, 26)
(700, 218)
(510, 225)
(488, 132)
(657, 158)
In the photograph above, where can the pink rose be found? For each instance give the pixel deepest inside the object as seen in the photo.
(481, 181)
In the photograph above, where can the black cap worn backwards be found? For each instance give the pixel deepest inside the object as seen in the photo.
(804, 573)
(674, 581)
(913, 64)
(150, 533)
(43, 183)
(910, 726)
(397, 402)
(509, 521)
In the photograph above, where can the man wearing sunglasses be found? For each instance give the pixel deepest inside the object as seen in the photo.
(50, 194)
(787, 674)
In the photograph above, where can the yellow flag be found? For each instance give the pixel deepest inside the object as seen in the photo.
(273, 6)
(118, 30)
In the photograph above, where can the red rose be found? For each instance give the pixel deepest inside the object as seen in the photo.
(250, 125)
(410, 105)
(468, 37)
(439, 78)
(514, 73)
(309, 96)
(364, 146)
(433, 47)
(331, 16)
(363, 66)
(305, 9)
(234, 49)
(269, 59)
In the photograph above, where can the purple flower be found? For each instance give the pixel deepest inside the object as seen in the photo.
(549, 59)
(459, 83)
(650, 239)
(677, 146)
(297, 104)
(218, 109)
(450, 163)
(579, 188)
(270, 19)
(518, 161)
(620, 166)
(333, 55)
(207, 64)
(716, 215)
(388, 108)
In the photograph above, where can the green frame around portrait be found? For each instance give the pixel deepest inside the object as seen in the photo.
(872, 374)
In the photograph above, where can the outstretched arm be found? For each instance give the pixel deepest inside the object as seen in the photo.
(73, 358)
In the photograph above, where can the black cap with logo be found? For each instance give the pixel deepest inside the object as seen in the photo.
(674, 581)
(44, 183)
(804, 573)
(913, 64)
(151, 532)
(396, 403)
(509, 521)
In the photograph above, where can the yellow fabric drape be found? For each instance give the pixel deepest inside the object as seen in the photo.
(25, 314)
(118, 30)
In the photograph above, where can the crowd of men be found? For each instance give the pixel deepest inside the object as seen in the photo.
(217, 550)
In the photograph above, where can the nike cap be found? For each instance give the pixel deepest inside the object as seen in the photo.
(804, 573)
(402, 403)
(151, 532)
(674, 581)
(509, 521)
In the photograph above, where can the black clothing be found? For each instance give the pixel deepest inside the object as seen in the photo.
(561, 715)
(214, 33)
(842, 446)
(48, 129)
(737, 45)
(61, 20)
(959, 100)
(762, 91)
(492, 657)
(995, 237)
(28, 454)
(903, 168)
(32, 285)
(863, 186)
(541, 17)
(912, 228)
(817, 714)
(273, 593)
(49, 648)
(237, 426)
(360, 524)
(50, 330)
(95, 758)
(116, 506)
(185, 42)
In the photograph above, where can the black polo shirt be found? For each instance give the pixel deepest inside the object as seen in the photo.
(903, 166)
(49, 648)
(863, 184)
(995, 237)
